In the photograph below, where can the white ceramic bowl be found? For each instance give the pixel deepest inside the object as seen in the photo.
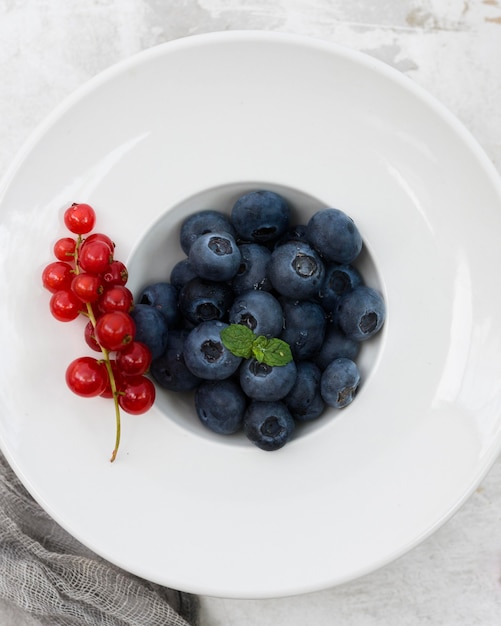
(194, 122)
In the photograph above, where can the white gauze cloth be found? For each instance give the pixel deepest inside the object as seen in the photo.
(54, 578)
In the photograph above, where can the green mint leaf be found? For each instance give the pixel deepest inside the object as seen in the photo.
(277, 353)
(238, 339)
(259, 348)
(242, 342)
(274, 352)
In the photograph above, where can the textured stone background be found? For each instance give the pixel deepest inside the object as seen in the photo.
(453, 49)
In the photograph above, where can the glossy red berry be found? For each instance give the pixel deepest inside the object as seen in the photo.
(116, 274)
(95, 257)
(115, 330)
(79, 218)
(137, 395)
(87, 377)
(115, 298)
(87, 287)
(57, 276)
(65, 306)
(101, 237)
(64, 249)
(134, 359)
(90, 337)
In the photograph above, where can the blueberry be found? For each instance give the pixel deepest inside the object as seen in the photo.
(269, 425)
(339, 383)
(203, 300)
(181, 273)
(296, 271)
(252, 273)
(258, 310)
(335, 345)
(170, 370)
(338, 280)
(220, 406)
(335, 235)
(206, 356)
(260, 216)
(360, 313)
(294, 233)
(151, 328)
(304, 327)
(215, 256)
(162, 296)
(203, 222)
(264, 382)
(305, 401)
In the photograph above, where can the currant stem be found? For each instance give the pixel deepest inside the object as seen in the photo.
(106, 356)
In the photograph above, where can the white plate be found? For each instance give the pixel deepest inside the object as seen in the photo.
(223, 112)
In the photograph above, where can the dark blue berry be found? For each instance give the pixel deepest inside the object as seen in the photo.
(151, 328)
(259, 311)
(162, 296)
(296, 271)
(215, 256)
(269, 425)
(305, 401)
(201, 223)
(252, 272)
(260, 216)
(360, 313)
(265, 382)
(294, 233)
(220, 406)
(335, 345)
(339, 279)
(335, 235)
(304, 327)
(206, 356)
(202, 300)
(339, 383)
(181, 273)
(170, 370)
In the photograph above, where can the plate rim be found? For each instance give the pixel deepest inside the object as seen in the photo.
(254, 35)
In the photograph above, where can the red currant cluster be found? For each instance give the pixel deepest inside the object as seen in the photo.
(86, 280)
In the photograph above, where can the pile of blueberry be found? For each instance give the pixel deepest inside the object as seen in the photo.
(262, 319)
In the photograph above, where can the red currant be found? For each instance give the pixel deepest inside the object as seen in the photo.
(116, 298)
(137, 395)
(87, 287)
(95, 257)
(116, 274)
(90, 337)
(134, 359)
(64, 249)
(85, 279)
(87, 376)
(80, 218)
(115, 330)
(100, 237)
(57, 276)
(65, 306)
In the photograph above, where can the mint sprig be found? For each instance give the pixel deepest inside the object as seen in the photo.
(238, 339)
(242, 342)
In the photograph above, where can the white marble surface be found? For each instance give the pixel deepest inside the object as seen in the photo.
(453, 49)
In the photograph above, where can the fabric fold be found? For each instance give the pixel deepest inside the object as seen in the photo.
(56, 579)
